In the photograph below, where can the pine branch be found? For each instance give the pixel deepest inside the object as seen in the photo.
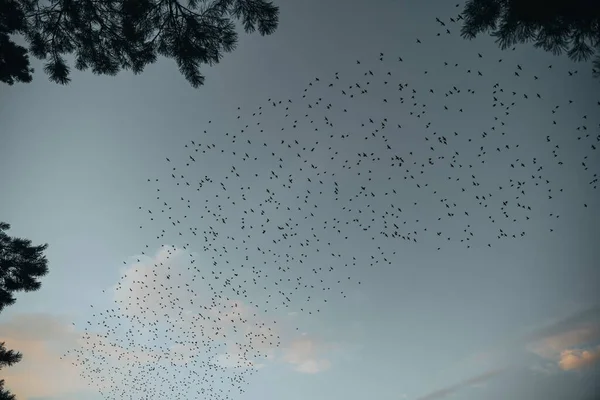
(8, 357)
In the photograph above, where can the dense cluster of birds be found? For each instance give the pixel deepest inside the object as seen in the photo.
(275, 215)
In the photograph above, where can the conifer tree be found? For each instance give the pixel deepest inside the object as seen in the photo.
(8, 357)
(111, 35)
(20, 266)
(4, 393)
(557, 26)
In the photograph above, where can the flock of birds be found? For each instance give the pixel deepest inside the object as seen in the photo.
(275, 216)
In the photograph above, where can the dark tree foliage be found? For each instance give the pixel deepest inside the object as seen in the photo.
(5, 394)
(14, 60)
(8, 357)
(20, 266)
(571, 26)
(109, 35)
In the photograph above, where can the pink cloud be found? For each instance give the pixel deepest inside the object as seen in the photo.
(563, 342)
(46, 371)
(577, 359)
(41, 372)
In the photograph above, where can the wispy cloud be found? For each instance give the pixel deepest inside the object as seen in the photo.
(41, 373)
(561, 340)
(447, 391)
(588, 318)
(551, 346)
(567, 341)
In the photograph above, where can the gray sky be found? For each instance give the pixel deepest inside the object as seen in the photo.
(424, 324)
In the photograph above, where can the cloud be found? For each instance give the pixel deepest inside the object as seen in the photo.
(144, 288)
(41, 373)
(111, 351)
(546, 368)
(550, 347)
(562, 341)
(235, 361)
(153, 293)
(477, 380)
(168, 291)
(182, 353)
(305, 354)
(568, 334)
(31, 327)
(588, 318)
(525, 383)
(577, 359)
(52, 348)
(250, 341)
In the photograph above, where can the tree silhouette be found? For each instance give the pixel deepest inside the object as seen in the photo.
(8, 357)
(558, 26)
(110, 35)
(20, 265)
(5, 394)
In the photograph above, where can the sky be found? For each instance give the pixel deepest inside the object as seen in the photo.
(419, 312)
